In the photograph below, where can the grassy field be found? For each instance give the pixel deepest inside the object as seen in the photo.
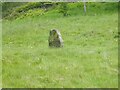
(89, 57)
(0, 54)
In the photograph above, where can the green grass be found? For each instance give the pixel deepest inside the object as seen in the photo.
(89, 57)
(21, 10)
(0, 54)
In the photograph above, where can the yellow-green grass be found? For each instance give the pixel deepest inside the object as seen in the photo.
(89, 57)
(0, 54)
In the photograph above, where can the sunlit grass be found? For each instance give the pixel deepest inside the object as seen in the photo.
(89, 57)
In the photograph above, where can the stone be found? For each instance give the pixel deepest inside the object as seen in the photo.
(55, 39)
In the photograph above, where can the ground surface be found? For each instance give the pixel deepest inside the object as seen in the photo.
(89, 57)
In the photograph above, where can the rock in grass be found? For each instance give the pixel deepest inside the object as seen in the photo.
(55, 39)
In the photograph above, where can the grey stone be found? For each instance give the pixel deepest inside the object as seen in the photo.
(55, 39)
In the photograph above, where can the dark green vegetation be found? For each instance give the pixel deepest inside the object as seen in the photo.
(89, 57)
(17, 9)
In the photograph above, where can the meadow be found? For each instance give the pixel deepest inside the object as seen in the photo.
(89, 57)
(0, 54)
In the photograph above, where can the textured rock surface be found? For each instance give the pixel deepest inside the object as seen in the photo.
(55, 39)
